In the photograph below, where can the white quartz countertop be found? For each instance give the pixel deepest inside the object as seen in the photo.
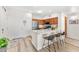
(45, 31)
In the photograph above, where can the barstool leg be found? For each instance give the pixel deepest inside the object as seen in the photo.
(61, 42)
(48, 45)
(54, 47)
(58, 44)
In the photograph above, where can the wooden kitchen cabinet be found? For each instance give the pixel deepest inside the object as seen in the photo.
(48, 20)
(41, 22)
(54, 20)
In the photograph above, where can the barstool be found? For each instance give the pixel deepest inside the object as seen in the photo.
(50, 39)
(57, 38)
(62, 37)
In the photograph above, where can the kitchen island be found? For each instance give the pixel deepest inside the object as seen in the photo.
(37, 37)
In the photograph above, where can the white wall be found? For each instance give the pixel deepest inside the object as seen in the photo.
(16, 27)
(3, 22)
(72, 30)
(61, 21)
(13, 22)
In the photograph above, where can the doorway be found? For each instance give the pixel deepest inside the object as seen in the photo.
(65, 26)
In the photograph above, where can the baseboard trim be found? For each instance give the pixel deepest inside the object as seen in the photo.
(72, 38)
(72, 44)
(72, 41)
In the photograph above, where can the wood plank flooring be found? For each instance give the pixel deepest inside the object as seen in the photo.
(28, 47)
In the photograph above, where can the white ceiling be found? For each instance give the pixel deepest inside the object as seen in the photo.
(34, 9)
(45, 10)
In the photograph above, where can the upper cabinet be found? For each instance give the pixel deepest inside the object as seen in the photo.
(41, 22)
(49, 20)
(54, 20)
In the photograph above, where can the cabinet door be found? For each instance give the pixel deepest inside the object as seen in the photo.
(51, 21)
(41, 22)
(54, 20)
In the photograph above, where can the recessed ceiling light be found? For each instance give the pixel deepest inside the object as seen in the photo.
(73, 9)
(39, 11)
(28, 14)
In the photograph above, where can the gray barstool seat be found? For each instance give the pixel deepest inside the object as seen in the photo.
(59, 38)
(50, 39)
(63, 33)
